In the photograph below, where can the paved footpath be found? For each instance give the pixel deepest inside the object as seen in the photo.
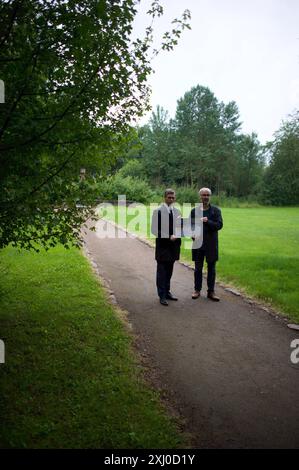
(227, 364)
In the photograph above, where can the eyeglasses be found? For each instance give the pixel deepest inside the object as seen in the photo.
(206, 195)
(170, 197)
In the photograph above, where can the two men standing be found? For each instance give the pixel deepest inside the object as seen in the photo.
(165, 222)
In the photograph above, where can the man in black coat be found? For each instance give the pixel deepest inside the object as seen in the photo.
(211, 223)
(166, 219)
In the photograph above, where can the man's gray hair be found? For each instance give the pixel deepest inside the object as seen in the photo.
(168, 191)
(205, 190)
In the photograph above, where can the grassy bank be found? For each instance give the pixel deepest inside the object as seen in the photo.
(70, 377)
(258, 251)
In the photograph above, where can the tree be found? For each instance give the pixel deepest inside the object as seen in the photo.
(250, 166)
(202, 146)
(281, 182)
(75, 81)
(206, 130)
(133, 168)
(155, 140)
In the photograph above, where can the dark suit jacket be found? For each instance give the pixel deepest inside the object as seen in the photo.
(210, 235)
(166, 249)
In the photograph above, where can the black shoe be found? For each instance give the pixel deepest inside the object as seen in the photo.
(211, 295)
(163, 302)
(169, 296)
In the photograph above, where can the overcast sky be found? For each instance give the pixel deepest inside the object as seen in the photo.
(243, 50)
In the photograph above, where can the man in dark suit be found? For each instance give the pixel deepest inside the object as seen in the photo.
(166, 219)
(211, 223)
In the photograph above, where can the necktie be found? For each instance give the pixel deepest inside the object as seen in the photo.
(170, 222)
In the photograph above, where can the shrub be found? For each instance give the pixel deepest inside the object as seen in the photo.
(133, 168)
(187, 194)
(135, 189)
(222, 201)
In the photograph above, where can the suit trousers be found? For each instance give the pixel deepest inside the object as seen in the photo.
(164, 273)
(198, 273)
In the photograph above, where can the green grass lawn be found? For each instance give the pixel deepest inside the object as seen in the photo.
(71, 378)
(258, 251)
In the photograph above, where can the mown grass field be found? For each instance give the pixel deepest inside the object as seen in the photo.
(258, 251)
(70, 378)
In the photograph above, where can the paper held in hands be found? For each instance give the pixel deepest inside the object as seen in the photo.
(186, 229)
